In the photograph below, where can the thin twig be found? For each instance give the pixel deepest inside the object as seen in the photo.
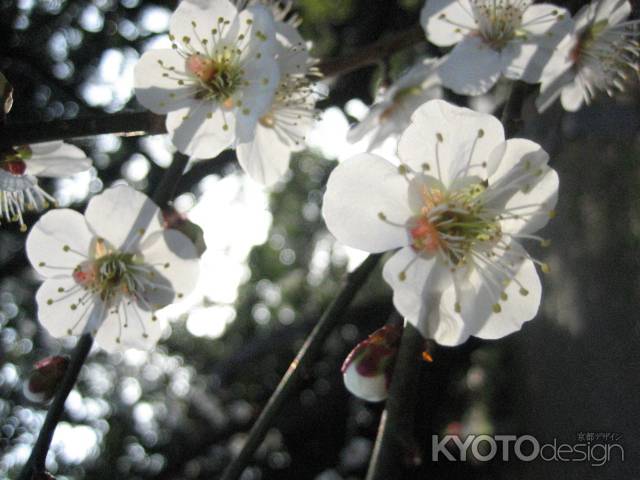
(144, 123)
(305, 357)
(36, 462)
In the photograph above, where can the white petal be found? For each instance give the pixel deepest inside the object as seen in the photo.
(522, 179)
(371, 389)
(206, 15)
(292, 53)
(548, 22)
(157, 87)
(572, 96)
(129, 325)
(450, 28)
(60, 310)
(60, 161)
(358, 190)
(417, 282)
(256, 97)
(202, 131)
(525, 61)
(266, 158)
(58, 242)
(176, 264)
(471, 68)
(455, 142)
(123, 216)
(478, 317)
(259, 30)
(509, 154)
(544, 193)
(614, 11)
(551, 88)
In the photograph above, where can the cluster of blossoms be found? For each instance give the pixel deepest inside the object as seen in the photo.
(236, 76)
(239, 75)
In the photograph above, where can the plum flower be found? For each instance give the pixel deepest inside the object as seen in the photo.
(281, 131)
(218, 79)
(457, 207)
(107, 272)
(600, 52)
(391, 113)
(19, 167)
(492, 38)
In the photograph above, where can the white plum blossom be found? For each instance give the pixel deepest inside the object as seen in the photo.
(218, 79)
(598, 55)
(108, 271)
(457, 207)
(282, 129)
(19, 169)
(392, 110)
(493, 38)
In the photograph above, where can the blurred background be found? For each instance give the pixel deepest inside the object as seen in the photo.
(182, 411)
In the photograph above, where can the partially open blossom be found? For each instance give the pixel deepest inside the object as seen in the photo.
(282, 129)
(457, 207)
(368, 368)
(600, 53)
(514, 38)
(391, 113)
(19, 169)
(45, 378)
(108, 271)
(217, 80)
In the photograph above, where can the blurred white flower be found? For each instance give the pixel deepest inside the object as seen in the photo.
(598, 55)
(217, 80)
(492, 38)
(457, 206)
(107, 272)
(392, 110)
(19, 167)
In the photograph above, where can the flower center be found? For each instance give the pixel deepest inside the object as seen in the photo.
(498, 20)
(220, 75)
(112, 273)
(454, 223)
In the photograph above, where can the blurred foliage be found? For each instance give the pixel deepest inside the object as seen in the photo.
(183, 410)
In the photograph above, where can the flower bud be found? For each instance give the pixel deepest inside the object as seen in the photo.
(45, 378)
(368, 368)
(178, 221)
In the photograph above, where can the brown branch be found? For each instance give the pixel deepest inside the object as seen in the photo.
(373, 53)
(147, 123)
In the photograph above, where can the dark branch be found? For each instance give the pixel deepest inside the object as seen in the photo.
(304, 358)
(36, 462)
(143, 123)
(395, 433)
(373, 53)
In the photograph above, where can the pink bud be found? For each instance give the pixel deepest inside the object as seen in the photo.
(367, 369)
(45, 378)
